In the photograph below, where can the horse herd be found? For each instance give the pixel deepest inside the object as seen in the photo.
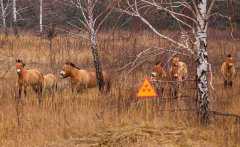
(179, 72)
(82, 79)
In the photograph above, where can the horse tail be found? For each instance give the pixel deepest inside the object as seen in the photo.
(56, 86)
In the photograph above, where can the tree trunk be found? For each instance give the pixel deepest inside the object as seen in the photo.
(93, 42)
(3, 14)
(14, 11)
(202, 64)
(41, 16)
(15, 30)
(3, 17)
(97, 63)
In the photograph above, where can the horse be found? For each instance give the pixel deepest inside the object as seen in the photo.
(177, 73)
(228, 71)
(178, 70)
(29, 78)
(50, 82)
(158, 74)
(82, 78)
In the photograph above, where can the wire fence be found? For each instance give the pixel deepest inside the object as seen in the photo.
(186, 102)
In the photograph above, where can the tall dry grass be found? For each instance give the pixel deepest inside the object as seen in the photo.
(116, 119)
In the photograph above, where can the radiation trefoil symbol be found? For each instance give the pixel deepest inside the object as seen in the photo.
(146, 90)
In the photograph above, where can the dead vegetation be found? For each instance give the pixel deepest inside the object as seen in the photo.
(117, 119)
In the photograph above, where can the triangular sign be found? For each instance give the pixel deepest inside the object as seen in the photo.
(146, 90)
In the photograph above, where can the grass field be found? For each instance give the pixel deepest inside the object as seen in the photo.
(118, 118)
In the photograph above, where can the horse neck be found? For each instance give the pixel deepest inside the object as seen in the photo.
(74, 72)
(23, 73)
(229, 68)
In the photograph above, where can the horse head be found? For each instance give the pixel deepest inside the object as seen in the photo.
(229, 61)
(158, 71)
(19, 65)
(67, 69)
(175, 61)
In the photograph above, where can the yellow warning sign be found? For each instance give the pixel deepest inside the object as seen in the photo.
(146, 90)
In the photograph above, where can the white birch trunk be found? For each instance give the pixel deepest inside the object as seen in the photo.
(41, 16)
(3, 14)
(93, 42)
(14, 12)
(15, 30)
(202, 65)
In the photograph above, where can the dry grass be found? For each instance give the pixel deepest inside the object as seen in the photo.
(116, 119)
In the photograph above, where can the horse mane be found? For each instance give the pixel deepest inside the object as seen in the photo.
(72, 65)
(158, 62)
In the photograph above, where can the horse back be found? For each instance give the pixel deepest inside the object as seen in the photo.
(50, 80)
(34, 76)
(93, 77)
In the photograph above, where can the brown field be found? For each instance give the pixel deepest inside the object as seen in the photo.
(116, 119)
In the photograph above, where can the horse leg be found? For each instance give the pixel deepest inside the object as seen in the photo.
(80, 88)
(230, 83)
(25, 91)
(38, 90)
(54, 90)
(106, 87)
(225, 83)
(73, 88)
(55, 87)
(174, 90)
(40, 94)
(19, 92)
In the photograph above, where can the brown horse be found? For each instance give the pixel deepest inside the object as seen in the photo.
(158, 72)
(29, 78)
(178, 70)
(81, 78)
(158, 75)
(50, 82)
(228, 70)
(178, 73)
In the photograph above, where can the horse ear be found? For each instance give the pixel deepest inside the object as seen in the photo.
(18, 60)
(73, 65)
(158, 62)
(68, 63)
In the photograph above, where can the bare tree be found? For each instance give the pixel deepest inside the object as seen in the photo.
(41, 15)
(4, 13)
(14, 17)
(91, 21)
(50, 36)
(196, 21)
(14, 11)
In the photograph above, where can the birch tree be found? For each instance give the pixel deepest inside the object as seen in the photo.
(14, 11)
(41, 15)
(14, 17)
(196, 21)
(93, 15)
(4, 13)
